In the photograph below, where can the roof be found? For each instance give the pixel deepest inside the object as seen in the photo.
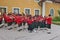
(58, 1)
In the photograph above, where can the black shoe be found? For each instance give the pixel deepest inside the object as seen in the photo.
(5, 26)
(15, 27)
(10, 28)
(49, 32)
(2, 26)
(20, 30)
(24, 28)
(30, 31)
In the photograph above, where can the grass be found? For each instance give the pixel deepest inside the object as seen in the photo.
(57, 23)
(56, 20)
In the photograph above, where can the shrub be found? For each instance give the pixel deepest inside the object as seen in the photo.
(56, 18)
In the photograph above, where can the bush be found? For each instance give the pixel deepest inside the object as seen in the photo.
(56, 18)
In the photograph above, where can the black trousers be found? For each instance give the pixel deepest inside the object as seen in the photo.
(5, 21)
(35, 24)
(48, 26)
(24, 23)
(19, 25)
(41, 24)
(30, 28)
(45, 24)
(0, 22)
(14, 22)
(9, 24)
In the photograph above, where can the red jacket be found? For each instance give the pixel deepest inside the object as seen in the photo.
(14, 17)
(29, 21)
(40, 18)
(37, 19)
(24, 19)
(49, 20)
(18, 19)
(4, 16)
(9, 19)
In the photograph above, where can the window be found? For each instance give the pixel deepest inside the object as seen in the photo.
(37, 11)
(27, 11)
(16, 10)
(52, 12)
(3, 10)
(36, 0)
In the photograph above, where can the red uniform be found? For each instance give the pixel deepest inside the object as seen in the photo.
(5, 17)
(49, 20)
(45, 19)
(37, 19)
(29, 21)
(14, 17)
(24, 19)
(9, 19)
(40, 18)
(18, 19)
(30, 24)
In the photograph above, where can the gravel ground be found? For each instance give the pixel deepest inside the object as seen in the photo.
(25, 35)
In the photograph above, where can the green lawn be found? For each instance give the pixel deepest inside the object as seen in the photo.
(57, 23)
(56, 20)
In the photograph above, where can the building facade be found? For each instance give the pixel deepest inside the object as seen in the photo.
(29, 7)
